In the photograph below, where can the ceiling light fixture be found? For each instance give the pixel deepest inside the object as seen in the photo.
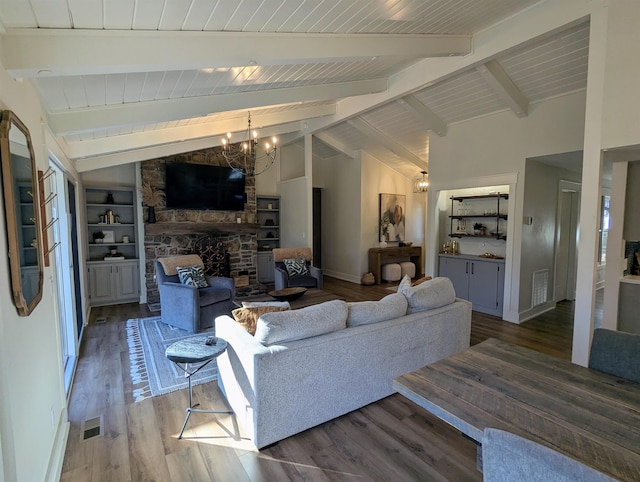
(422, 183)
(243, 156)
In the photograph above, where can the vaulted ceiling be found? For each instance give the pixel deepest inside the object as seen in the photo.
(127, 80)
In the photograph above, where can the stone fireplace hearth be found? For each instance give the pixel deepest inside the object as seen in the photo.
(176, 231)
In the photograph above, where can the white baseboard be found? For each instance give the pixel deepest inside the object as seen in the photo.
(535, 311)
(54, 470)
(342, 276)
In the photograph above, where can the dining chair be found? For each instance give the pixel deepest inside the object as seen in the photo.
(616, 353)
(507, 457)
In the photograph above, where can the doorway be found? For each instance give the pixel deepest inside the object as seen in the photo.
(67, 269)
(567, 241)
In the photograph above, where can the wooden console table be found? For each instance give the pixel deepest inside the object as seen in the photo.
(380, 256)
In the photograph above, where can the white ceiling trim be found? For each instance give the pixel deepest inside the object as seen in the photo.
(165, 110)
(334, 143)
(280, 123)
(26, 52)
(376, 136)
(544, 19)
(424, 114)
(164, 150)
(495, 76)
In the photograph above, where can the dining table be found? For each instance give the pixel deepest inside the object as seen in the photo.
(582, 413)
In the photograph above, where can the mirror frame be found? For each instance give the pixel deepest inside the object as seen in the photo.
(24, 307)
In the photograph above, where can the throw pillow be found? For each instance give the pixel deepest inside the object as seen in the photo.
(428, 295)
(365, 312)
(421, 280)
(296, 267)
(192, 276)
(248, 317)
(306, 322)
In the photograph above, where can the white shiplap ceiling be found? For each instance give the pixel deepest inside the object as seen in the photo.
(127, 80)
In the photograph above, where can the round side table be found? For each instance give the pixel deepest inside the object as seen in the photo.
(195, 350)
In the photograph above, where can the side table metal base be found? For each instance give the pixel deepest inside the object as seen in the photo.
(192, 408)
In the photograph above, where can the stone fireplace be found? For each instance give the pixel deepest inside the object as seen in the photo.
(178, 231)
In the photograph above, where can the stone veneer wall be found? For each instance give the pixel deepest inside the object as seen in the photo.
(241, 247)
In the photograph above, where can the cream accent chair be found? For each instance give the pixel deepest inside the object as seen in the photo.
(282, 279)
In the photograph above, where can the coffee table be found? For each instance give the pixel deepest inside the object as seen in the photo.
(313, 296)
(582, 413)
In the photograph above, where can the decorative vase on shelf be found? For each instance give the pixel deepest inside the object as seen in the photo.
(383, 244)
(152, 215)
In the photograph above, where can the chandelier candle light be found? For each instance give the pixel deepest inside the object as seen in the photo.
(244, 157)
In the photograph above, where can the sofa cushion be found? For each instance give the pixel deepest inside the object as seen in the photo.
(296, 267)
(192, 276)
(364, 312)
(306, 322)
(210, 295)
(247, 317)
(428, 295)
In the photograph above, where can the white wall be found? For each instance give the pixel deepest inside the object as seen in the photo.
(33, 421)
(541, 195)
(340, 216)
(377, 178)
(621, 109)
(486, 148)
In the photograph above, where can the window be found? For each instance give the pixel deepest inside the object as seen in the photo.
(605, 205)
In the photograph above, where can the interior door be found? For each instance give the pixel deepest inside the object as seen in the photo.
(566, 245)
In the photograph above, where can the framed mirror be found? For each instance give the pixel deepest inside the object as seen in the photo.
(21, 210)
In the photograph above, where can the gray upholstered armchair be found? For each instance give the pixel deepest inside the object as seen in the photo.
(188, 307)
(282, 277)
(616, 353)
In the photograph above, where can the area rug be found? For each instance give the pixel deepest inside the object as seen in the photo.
(152, 374)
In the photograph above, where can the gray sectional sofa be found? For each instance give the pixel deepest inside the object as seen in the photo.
(305, 367)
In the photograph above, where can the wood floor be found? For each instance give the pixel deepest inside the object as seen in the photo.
(392, 439)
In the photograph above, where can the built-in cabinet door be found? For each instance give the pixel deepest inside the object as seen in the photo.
(265, 267)
(127, 280)
(457, 270)
(483, 285)
(101, 283)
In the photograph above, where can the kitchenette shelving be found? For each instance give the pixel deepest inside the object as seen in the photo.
(476, 210)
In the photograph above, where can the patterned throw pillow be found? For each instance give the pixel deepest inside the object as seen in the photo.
(296, 267)
(248, 317)
(192, 276)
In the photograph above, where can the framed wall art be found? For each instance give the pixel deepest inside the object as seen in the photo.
(392, 217)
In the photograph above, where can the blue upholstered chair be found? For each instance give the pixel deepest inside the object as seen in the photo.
(507, 457)
(616, 353)
(187, 307)
(284, 280)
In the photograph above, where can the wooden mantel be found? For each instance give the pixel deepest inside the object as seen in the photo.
(201, 228)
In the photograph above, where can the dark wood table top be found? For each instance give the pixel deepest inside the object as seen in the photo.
(585, 414)
(313, 296)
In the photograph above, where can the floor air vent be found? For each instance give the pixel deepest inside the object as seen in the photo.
(91, 428)
(101, 319)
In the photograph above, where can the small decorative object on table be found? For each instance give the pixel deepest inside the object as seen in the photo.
(288, 294)
(98, 237)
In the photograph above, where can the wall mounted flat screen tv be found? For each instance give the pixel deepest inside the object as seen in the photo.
(201, 186)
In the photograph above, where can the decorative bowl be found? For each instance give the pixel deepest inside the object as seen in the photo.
(288, 294)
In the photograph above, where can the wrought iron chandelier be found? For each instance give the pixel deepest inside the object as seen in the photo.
(243, 155)
(422, 183)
